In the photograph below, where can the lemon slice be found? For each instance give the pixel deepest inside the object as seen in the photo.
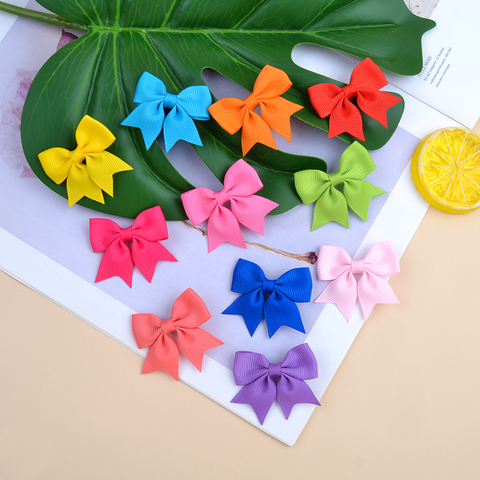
(446, 170)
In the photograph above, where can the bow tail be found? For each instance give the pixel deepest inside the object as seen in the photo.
(193, 343)
(147, 254)
(358, 194)
(373, 289)
(250, 307)
(331, 206)
(116, 261)
(277, 112)
(223, 227)
(342, 292)
(180, 126)
(280, 310)
(291, 390)
(260, 394)
(79, 185)
(162, 355)
(256, 130)
(346, 118)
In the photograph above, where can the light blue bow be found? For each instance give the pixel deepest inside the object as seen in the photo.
(152, 98)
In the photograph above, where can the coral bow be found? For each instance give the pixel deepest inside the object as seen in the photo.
(331, 203)
(365, 82)
(335, 264)
(152, 98)
(273, 300)
(188, 312)
(232, 113)
(88, 169)
(241, 182)
(147, 229)
(265, 381)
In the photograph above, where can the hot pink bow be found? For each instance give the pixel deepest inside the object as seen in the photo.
(241, 182)
(188, 312)
(147, 229)
(335, 264)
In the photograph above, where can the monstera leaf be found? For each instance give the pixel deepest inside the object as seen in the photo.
(176, 40)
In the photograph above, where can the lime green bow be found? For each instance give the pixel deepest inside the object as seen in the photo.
(332, 204)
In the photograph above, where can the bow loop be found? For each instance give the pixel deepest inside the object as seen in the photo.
(147, 230)
(273, 300)
(88, 169)
(257, 374)
(188, 313)
(336, 265)
(241, 182)
(151, 98)
(330, 100)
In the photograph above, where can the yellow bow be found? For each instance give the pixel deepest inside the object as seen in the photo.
(89, 168)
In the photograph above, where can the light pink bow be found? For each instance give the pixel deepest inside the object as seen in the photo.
(147, 229)
(335, 264)
(241, 182)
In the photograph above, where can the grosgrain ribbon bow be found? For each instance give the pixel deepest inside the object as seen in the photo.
(264, 380)
(188, 312)
(145, 233)
(365, 82)
(88, 169)
(335, 264)
(331, 203)
(152, 98)
(232, 113)
(241, 182)
(273, 300)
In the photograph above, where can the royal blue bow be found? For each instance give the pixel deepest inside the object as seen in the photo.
(152, 98)
(269, 299)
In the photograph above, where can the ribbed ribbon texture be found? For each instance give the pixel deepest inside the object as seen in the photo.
(232, 114)
(336, 265)
(263, 381)
(273, 300)
(152, 99)
(241, 182)
(188, 312)
(88, 169)
(330, 100)
(147, 230)
(331, 203)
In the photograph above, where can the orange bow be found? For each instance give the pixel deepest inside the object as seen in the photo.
(232, 113)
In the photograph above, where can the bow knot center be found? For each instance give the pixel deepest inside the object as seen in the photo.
(268, 286)
(222, 196)
(335, 178)
(350, 91)
(357, 266)
(126, 234)
(275, 370)
(251, 102)
(170, 100)
(168, 326)
(77, 156)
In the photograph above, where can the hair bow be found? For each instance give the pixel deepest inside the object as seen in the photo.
(88, 169)
(241, 182)
(365, 82)
(152, 98)
(273, 300)
(332, 204)
(335, 264)
(188, 312)
(147, 229)
(264, 380)
(232, 113)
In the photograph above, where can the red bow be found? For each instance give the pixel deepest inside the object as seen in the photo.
(365, 82)
(147, 229)
(188, 312)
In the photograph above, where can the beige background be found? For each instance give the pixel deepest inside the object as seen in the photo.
(403, 405)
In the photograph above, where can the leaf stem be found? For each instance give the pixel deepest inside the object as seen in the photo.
(41, 16)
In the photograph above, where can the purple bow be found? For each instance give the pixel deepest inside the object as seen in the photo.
(264, 380)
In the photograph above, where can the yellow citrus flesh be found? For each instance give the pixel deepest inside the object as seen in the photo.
(446, 170)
